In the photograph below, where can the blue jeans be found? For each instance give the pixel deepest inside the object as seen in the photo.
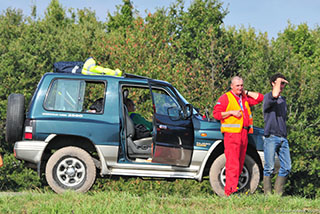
(272, 145)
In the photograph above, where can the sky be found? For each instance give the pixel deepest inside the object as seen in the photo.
(269, 16)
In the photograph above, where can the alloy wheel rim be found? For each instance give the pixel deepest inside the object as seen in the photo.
(243, 178)
(71, 172)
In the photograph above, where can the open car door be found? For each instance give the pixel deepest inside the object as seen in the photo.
(173, 131)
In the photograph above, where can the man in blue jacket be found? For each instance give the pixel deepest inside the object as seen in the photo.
(275, 135)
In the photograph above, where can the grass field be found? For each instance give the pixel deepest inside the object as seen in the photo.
(127, 202)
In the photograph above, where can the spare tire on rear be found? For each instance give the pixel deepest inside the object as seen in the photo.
(15, 117)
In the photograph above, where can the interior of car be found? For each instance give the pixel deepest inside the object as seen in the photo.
(139, 148)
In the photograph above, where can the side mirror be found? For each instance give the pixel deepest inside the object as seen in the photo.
(174, 113)
(187, 111)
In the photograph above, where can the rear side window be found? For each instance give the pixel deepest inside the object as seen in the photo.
(75, 96)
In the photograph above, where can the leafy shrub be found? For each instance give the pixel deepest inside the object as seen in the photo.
(14, 176)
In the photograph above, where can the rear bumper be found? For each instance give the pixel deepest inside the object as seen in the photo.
(30, 151)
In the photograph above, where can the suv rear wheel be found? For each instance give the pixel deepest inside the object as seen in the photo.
(70, 168)
(248, 180)
(15, 118)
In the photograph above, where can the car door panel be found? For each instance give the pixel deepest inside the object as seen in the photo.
(173, 139)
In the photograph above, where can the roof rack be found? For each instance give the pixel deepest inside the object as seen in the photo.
(135, 76)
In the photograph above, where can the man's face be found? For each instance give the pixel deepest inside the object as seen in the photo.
(237, 86)
(131, 107)
(282, 85)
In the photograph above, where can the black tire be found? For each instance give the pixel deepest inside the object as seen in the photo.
(15, 118)
(248, 181)
(70, 168)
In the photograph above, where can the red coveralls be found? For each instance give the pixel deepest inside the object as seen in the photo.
(235, 144)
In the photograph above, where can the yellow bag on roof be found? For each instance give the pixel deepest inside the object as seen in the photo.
(90, 68)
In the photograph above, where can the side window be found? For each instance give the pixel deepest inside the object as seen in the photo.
(163, 102)
(94, 97)
(75, 96)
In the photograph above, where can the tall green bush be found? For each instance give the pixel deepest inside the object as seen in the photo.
(188, 47)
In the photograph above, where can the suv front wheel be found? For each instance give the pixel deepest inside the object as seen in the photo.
(248, 180)
(70, 168)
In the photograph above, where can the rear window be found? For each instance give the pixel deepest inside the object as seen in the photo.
(75, 96)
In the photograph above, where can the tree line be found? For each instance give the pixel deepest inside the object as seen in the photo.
(188, 47)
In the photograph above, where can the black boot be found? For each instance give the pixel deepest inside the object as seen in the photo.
(267, 185)
(278, 187)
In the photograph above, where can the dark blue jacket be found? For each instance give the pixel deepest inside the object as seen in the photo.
(275, 115)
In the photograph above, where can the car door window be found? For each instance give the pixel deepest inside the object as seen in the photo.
(163, 102)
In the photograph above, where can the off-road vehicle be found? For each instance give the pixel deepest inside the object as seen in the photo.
(68, 135)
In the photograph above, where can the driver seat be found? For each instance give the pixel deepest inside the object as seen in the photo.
(140, 148)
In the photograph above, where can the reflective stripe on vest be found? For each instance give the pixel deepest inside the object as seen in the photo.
(233, 124)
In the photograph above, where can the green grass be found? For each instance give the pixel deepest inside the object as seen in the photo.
(128, 202)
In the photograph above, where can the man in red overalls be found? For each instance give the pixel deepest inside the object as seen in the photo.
(233, 109)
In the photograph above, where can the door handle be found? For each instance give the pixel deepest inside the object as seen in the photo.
(163, 127)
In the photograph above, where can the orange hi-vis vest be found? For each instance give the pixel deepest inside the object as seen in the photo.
(233, 124)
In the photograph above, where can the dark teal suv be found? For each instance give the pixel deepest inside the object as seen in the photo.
(78, 126)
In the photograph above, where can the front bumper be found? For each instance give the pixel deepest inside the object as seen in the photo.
(29, 151)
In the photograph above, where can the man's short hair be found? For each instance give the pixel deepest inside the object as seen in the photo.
(236, 78)
(274, 77)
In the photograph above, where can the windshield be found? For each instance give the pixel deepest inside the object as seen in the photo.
(181, 97)
(195, 112)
